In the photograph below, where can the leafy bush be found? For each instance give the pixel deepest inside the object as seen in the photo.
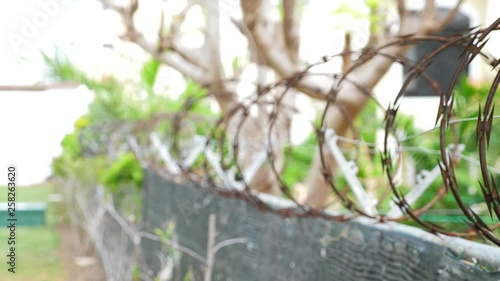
(114, 100)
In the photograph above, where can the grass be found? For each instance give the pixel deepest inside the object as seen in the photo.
(37, 193)
(37, 248)
(37, 251)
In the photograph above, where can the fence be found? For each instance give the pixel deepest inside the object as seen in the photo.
(251, 244)
(203, 219)
(287, 249)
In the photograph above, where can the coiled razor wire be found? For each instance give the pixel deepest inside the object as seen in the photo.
(248, 148)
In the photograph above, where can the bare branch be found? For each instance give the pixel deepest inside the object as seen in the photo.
(179, 18)
(443, 23)
(132, 34)
(273, 54)
(429, 24)
(192, 56)
(252, 27)
(402, 11)
(251, 12)
(176, 246)
(228, 242)
(25, 88)
(346, 53)
(426, 23)
(291, 30)
(212, 40)
(428, 11)
(173, 60)
(169, 41)
(210, 251)
(161, 31)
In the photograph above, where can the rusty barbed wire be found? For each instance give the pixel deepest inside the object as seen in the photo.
(248, 149)
(472, 47)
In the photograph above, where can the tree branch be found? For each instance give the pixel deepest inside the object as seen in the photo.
(251, 12)
(346, 52)
(175, 61)
(212, 39)
(168, 40)
(426, 23)
(428, 13)
(274, 55)
(291, 30)
(402, 11)
(132, 34)
(437, 26)
(182, 59)
(207, 275)
(176, 246)
(192, 56)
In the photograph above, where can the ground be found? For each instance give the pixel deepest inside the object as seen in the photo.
(68, 251)
(50, 252)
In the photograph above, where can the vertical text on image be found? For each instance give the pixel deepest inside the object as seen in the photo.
(11, 220)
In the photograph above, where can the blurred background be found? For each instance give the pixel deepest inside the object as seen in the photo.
(65, 64)
(89, 36)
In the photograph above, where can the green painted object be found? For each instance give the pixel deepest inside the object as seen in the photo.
(27, 214)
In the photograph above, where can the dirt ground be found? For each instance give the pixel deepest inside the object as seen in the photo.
(79, 264)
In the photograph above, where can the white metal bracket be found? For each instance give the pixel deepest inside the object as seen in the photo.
(367, 202)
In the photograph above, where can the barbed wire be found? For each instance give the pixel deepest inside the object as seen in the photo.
(250, 150)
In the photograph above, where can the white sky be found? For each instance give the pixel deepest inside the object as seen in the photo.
(32, 125)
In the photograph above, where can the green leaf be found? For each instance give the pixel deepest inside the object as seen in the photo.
(149, 73)
(125, 170)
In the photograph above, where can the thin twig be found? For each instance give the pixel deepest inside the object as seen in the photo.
(210, 248)
(176, 246)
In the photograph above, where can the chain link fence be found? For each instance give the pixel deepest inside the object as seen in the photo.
(204, 215)
(251, 244)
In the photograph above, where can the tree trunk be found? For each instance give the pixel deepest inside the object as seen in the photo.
(353, 100)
